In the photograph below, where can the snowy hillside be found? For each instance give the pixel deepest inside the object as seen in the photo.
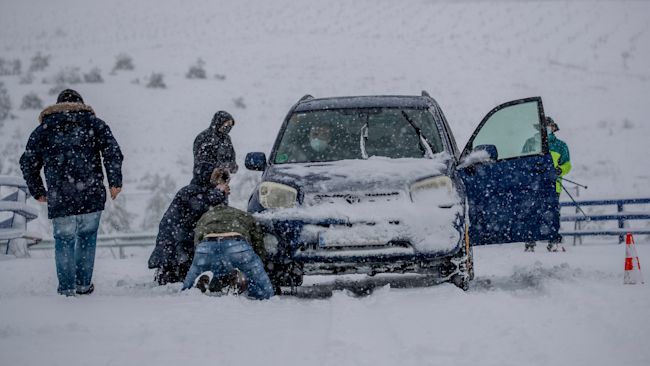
(588, 60)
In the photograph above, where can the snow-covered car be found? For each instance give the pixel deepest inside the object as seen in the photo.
(376, 184)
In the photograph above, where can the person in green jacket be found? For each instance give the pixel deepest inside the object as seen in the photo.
(229, 249)
(561, 161)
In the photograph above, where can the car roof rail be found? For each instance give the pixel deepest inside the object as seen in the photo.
(306, 97)
(425, 94)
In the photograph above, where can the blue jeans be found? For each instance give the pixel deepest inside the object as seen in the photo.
(75, 238)
(222, 257)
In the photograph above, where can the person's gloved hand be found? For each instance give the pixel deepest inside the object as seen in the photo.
(558, 171)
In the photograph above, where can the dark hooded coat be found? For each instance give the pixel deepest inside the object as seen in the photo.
(69, 144)
(214, 147)
(174, 249)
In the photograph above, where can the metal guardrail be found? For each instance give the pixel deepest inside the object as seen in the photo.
(13, 229)
(119, 241)
(621, 217)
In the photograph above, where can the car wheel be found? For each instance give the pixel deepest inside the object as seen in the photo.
(461, 281)
(286, 274)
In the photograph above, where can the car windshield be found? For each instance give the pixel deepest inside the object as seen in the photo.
(337, 134)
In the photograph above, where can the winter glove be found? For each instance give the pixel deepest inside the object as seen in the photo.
(558, 171)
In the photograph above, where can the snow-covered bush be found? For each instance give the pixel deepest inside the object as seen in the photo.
(197, 71)
(39, 62)
(27, 79)
(162, 191)
(67, 75)
(56, 89)
(156, 81)
(220, 76)
(31, 101)
(123, 62)
(239, 102)
(10, 67)
(94, 76)
(5, 103)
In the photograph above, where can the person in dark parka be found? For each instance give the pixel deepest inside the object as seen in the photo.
(213, 145)
(174, 250)
(69, 144)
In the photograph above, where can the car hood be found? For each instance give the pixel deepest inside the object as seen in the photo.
(373, 174)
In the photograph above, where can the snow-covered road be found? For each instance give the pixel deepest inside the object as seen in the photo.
(523, 309)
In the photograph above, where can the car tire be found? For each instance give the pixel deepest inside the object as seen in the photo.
(461, 281)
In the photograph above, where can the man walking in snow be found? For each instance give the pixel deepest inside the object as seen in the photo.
(229, 250)
(562, 163)
(213, 145)
(69, 144)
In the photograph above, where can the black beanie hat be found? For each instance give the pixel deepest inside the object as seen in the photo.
(550, 121)
(220, 118)
(69, 96)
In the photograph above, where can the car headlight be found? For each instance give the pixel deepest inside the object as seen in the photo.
(439, 190)
(276, 195)
(271, 244)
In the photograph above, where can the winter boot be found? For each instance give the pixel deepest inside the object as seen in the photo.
(234, 283)
(203, 281)
(85, 291)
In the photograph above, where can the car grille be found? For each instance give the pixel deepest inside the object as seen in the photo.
(352, 197)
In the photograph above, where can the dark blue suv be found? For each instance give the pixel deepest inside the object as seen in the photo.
(376, 184)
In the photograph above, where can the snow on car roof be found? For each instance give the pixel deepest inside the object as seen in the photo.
(377, 101)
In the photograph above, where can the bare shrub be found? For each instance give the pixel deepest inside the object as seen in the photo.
(197, 71)
(31, 101)
(39, 62)
(156, 81)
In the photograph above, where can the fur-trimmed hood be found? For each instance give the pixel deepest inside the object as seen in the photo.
(65, 108)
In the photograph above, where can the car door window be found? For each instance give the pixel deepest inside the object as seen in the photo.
(506, 130)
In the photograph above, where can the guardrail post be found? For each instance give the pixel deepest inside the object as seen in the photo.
(577, 225)
(621, 222)
(18, 246)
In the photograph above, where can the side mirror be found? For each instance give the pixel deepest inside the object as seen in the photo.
(255, 161)
(491, 150)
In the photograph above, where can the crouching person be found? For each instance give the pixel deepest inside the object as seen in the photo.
(229, 247)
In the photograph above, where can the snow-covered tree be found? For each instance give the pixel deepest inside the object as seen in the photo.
(116, 218)
(162, 189)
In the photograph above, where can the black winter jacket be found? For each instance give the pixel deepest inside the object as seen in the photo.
(69, 144)
(211, 146)
(175, 240)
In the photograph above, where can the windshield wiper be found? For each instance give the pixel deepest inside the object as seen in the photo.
(424, 144)
(363, 136)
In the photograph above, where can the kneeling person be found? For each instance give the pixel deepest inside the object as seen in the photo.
(229, 240)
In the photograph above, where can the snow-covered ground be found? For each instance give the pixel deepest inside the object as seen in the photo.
(587, 59)
(523, 309)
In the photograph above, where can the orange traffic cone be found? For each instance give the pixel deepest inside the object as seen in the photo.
(632, 266)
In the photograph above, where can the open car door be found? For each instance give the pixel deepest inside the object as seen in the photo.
(509, 176)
